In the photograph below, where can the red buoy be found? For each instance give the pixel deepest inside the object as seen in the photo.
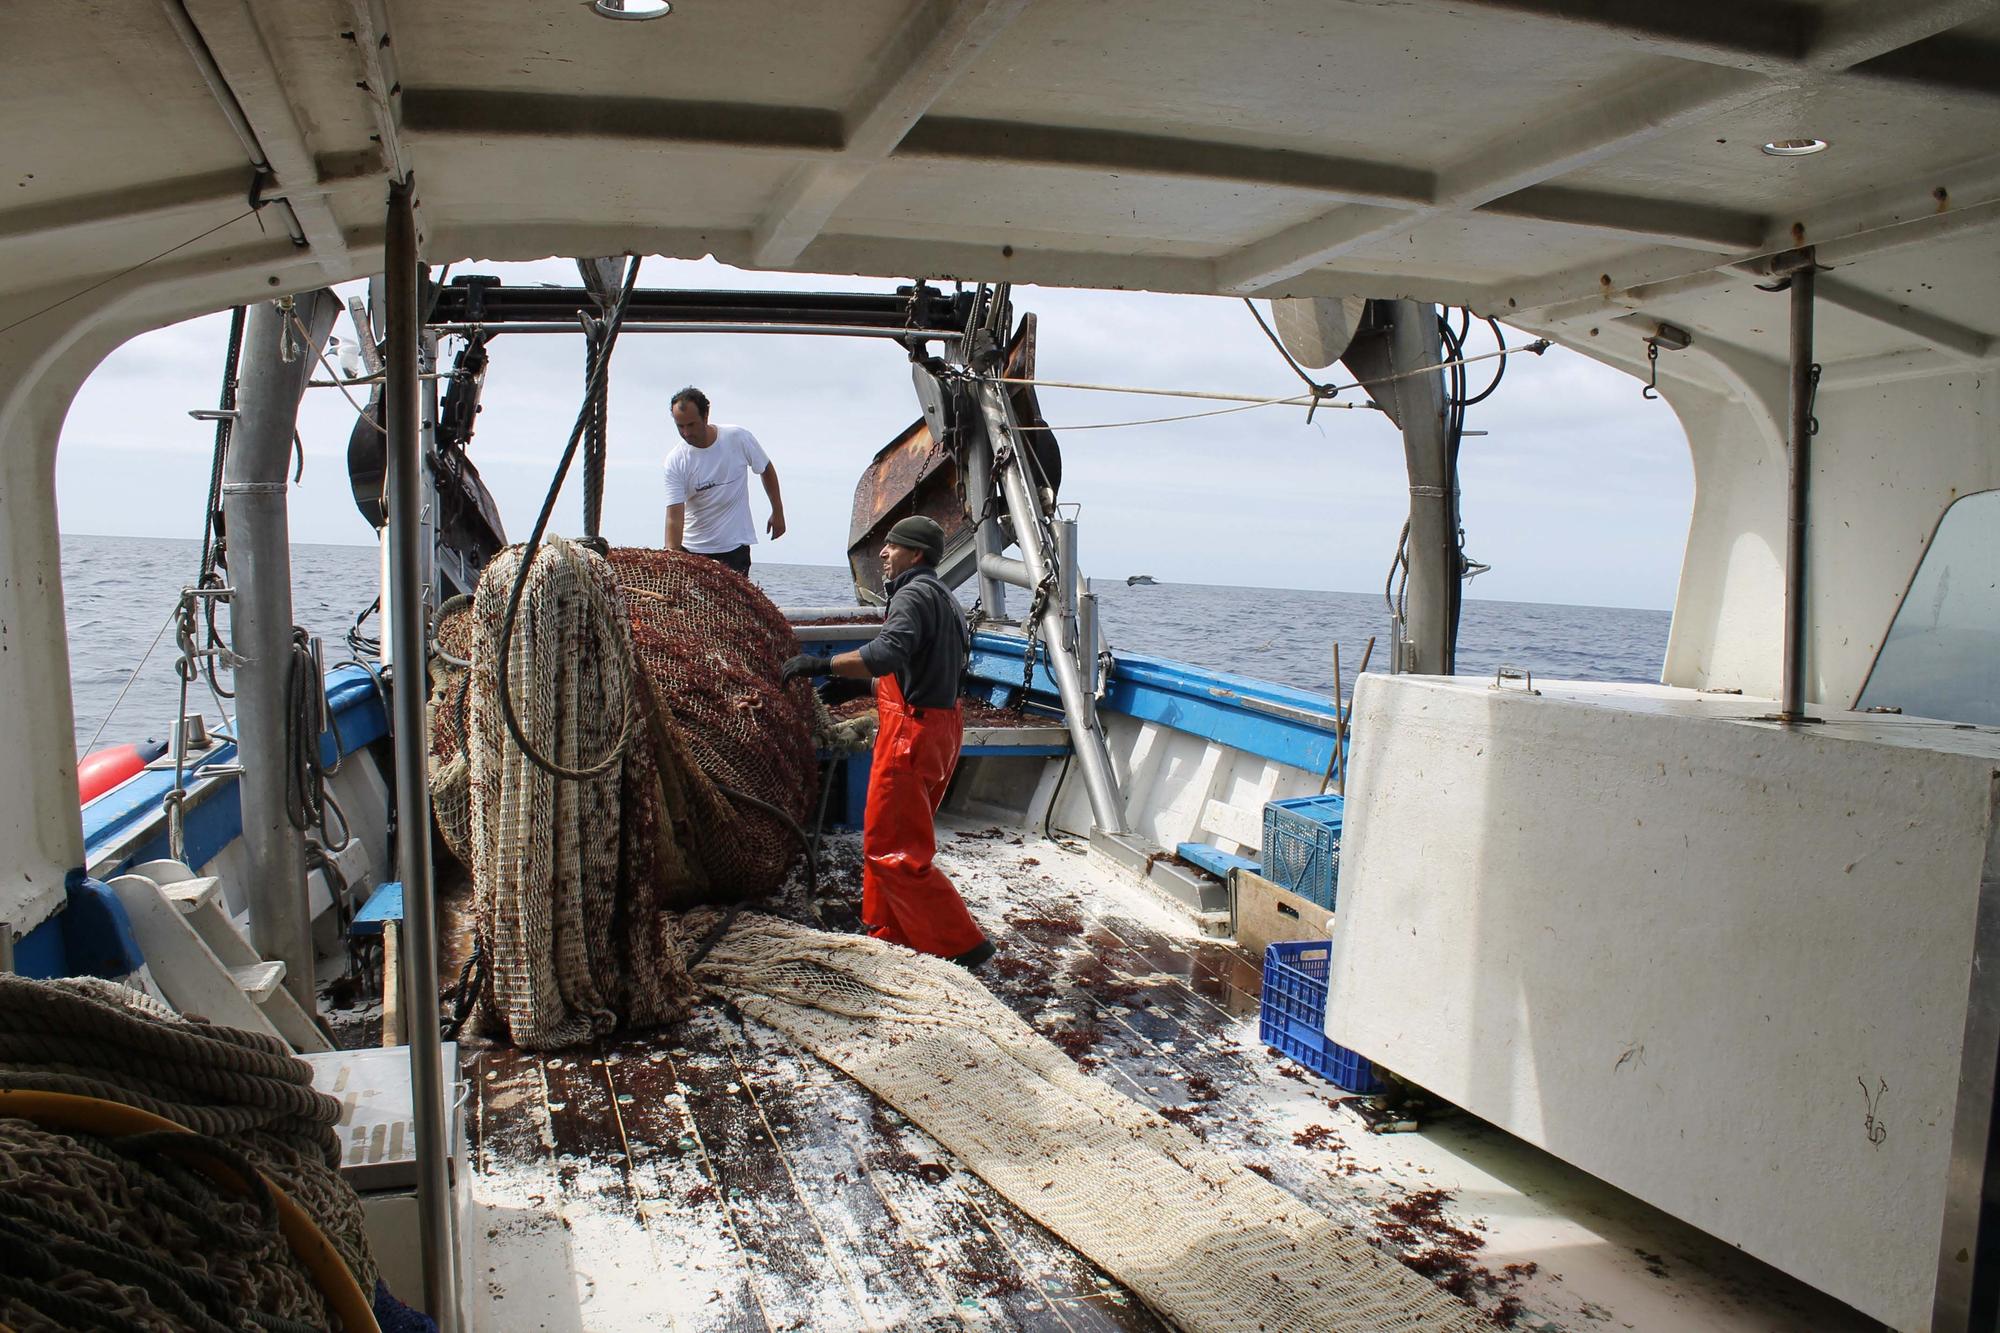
(101, 770)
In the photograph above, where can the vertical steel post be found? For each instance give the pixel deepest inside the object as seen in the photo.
(1414, 346)
(594, 431)
(1107, 807)
(986, 540)
(1088, 634)
(427, 501)
(1070, 583)
(1792, 702)
(413, 810)
(254, 485)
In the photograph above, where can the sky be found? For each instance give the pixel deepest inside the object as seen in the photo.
(1579, 492)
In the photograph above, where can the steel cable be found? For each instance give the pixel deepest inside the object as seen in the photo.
(599, 368)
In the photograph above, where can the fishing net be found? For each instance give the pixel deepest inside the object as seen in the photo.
(1202, 1240)
(656, 674)
(129, 1233)
(450, 701)
(711, 645)
(653, 676)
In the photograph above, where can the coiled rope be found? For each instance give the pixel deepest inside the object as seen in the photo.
(242, 1109)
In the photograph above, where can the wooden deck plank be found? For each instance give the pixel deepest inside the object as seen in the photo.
(797, 1282)
(872, 1245)
(520, 1252)
(675, 1188)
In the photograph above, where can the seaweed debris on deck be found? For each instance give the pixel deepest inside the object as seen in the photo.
(710, 1176)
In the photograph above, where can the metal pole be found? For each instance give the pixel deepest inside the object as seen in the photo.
(986, 539)
(1071, 580)
(1079, 708)
(254, 484)
(1088, 634)
(413, 810)
(427, 501)
(901, 335)
(593, 438)
(1414, 345)
(1792, 702)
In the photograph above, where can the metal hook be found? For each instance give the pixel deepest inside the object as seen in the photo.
(1651, 389)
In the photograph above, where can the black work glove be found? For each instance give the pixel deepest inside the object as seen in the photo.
(805, 664)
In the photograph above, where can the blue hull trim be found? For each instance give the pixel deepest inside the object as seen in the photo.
(214, 824)
(90, 937)
(217, 821)
(1275, 722)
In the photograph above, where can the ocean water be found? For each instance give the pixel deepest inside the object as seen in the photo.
(118, 593)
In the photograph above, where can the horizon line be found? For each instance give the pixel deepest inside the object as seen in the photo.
(1184, 583)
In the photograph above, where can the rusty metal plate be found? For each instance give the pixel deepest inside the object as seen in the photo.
(913, 474)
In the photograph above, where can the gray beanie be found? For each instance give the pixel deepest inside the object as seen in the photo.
(919, 534)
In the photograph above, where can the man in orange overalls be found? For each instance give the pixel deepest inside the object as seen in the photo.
(915, 662)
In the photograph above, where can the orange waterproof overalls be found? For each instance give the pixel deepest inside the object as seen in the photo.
(905, 898)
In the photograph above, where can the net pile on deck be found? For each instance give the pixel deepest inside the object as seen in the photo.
(683, 656)
(1202, 1240)
(652, 679)
(134, 1233)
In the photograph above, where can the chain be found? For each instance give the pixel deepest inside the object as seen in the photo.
(1034, 626)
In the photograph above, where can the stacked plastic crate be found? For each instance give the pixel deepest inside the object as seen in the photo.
(1302, 854)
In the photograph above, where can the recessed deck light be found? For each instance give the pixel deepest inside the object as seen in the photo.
(1795, 147)
(633, 9)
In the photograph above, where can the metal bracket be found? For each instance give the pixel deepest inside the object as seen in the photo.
(1674, 339)
(1505, 673)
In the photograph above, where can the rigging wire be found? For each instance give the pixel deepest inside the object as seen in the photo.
(1500, 371)
(126, 272)
(360, 409)
(1207, 395)
(1535, 348)
(1294, 400)
(129, 680)
(1319, 391)
(359, 643)
(599, 368)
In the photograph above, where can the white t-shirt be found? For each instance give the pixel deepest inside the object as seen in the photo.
(714, 484)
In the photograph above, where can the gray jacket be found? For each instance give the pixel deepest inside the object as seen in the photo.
(924, 640)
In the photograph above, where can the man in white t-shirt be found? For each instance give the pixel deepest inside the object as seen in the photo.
(708, 487)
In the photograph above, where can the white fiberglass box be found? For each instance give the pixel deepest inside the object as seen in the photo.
(1721, 964)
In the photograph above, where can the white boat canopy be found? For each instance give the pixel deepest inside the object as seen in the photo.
(1586, 170)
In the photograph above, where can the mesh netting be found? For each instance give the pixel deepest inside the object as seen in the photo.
(657, 674)
(109, 1233)
(577, 885)
(1200, 1238)
(711, 644)
(450, 766)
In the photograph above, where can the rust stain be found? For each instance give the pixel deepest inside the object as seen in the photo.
(1798, 233)
(912, 474)
(1943, 197)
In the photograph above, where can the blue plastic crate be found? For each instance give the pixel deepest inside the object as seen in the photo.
(1292, 1015)
(1302, 846)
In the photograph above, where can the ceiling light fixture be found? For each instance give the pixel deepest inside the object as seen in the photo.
(1794, 147)
(632, 9)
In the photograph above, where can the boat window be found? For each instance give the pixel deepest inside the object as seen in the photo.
(1942, 656)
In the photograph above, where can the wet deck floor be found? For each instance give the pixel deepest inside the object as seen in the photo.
(710, 1176)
